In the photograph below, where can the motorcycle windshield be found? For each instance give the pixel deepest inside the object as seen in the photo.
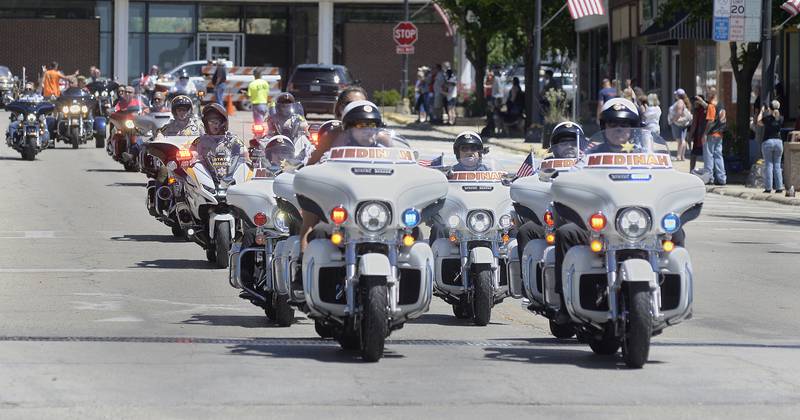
(476, 170)
(375, 145)
(222, 155)
(102, 86)
(5, 72)
(627, 148)
(286, 118)
(276, 154)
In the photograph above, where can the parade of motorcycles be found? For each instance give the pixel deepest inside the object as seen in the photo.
(310, 247)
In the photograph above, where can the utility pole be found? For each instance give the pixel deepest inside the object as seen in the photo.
(767, 71)
(537, 51)
(404, 86)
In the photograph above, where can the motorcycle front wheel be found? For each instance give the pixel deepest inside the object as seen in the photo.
(99, 141)
(284, 313)
(375, 319)
(74, 137)
(639, 326)
(29, 153)
(482, 300)
(222, 243)
(561, 331)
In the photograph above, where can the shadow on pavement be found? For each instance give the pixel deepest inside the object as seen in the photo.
(176, 264)
(127, 184)
(446, 320)
(105, 170)
(756, 219)
(549, 356)
(327, 351)
(245, 321)
(148, 238)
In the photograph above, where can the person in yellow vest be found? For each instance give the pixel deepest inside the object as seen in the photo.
(258, 92)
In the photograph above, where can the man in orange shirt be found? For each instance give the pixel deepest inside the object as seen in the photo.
(716, 125)
(51, 79)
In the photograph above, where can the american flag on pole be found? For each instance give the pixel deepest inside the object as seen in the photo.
(791, 7)
(431, 162)
(527, 167)
(583, 8)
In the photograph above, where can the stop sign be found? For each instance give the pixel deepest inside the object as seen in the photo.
(405, 33)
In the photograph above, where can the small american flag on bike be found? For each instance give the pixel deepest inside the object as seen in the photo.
(791, 7)
(527, 167)
(583, 8)
(432, 162)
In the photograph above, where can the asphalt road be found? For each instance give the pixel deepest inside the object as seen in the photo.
(103, 314)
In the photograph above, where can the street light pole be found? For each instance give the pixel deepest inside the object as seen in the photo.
(766, 53)
(404, 86)
(537, 51)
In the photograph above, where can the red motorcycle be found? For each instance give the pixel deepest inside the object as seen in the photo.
(124, 138)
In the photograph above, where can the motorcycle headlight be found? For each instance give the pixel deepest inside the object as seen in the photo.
(281, 221)
(84, 109)
(31, 118)
(129, 124)
(75, 108)
(373, 216)
(20, 117)
(65, 109)
(671, 223)
(104, 94)
(633, 223)
(453, 221)
(505, 221)
(479, 221)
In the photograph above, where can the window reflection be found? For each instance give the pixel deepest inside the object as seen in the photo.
(171, 18)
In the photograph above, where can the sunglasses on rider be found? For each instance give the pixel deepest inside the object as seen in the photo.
(365, 124)
(617, 125)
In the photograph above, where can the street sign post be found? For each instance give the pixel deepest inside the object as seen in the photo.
(737, 20)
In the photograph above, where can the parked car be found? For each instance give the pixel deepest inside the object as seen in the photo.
(8, 86)
(565, 80)
(317, 86)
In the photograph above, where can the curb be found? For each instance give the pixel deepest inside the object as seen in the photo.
(400, 119)
(754, 196)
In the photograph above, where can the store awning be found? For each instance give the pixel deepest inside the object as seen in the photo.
(681, 27)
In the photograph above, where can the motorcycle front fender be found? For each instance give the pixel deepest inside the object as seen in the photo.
(482, 255)
(374, 265)
(214, 218)
(636, 270)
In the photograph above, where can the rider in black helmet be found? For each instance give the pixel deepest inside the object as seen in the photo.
(469, 150)
(362, 123)
(183, 122)
(215, 121)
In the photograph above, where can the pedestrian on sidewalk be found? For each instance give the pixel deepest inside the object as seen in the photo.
(716, 125)
(452, 95)
(219, 80)
(258, 92)
(679, 119)
(439, 90)
(772, 147)
(652, 114)
(696, 132)
(420, 91)
(606, 93)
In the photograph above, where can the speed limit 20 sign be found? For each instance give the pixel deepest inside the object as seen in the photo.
(405, 35)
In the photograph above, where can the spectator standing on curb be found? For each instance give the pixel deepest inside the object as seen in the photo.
(716, 125)
(438, 95)
(606, 92)
(652, 114)
(258, 92)
(51, 79)
(420, 90)
(452, 95)
(772, 147)
(679, 118)
(218, 80)
(697, 132)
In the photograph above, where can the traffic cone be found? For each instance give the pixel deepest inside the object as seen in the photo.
(229, 106)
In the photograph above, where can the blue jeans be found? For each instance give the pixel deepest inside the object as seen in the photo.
(712, 159)
(259, 111)
(219, 93)
(772, 149)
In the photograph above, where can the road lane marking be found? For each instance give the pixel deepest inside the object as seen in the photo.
(120, 319)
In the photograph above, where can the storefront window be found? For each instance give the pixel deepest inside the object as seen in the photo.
(655, 61)
(171, 18)
(136, 62)
(793, 75)
(705, 68)
(136, 16)
(219, 19)
(168, 50)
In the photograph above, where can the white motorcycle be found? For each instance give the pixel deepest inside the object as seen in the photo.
(164, 187)
(266, 221)
(372, 275)
(474, 248)
(632, 278)
(217, 163)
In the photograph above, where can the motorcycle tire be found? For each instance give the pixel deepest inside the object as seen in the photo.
(269, 307)
(211, 255)
(176, 230)
(639, 326)
(375, 318)
(99, 141)
(222, 243)
(74, 137)
(284, 313)
(323, 330)
(482, 300)
(28, 153)
(462, 310)
(561, 331)
(349, 339)
(131, 166)
(607, 345)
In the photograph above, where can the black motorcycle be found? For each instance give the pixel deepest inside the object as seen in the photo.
(27, 132)
(104, 92)
(75, 124)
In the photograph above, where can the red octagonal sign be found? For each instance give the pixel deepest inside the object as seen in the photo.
(405, 33)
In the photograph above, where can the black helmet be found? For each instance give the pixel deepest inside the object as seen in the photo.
(285, 98)
(566, 131)
(181, 100)
(214, 108)
(183, 74)
(361, 111)
(465, 138)
(329, 128)
(279, 148)
(620, 111)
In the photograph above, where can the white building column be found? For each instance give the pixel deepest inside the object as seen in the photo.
(325, 32)
(121, 40)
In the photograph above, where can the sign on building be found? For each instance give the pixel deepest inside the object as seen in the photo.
(737, 20)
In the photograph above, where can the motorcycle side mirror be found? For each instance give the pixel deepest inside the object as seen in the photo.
(547, 175)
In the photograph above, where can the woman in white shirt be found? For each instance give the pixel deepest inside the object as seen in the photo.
(679, 119)
(652, 114)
